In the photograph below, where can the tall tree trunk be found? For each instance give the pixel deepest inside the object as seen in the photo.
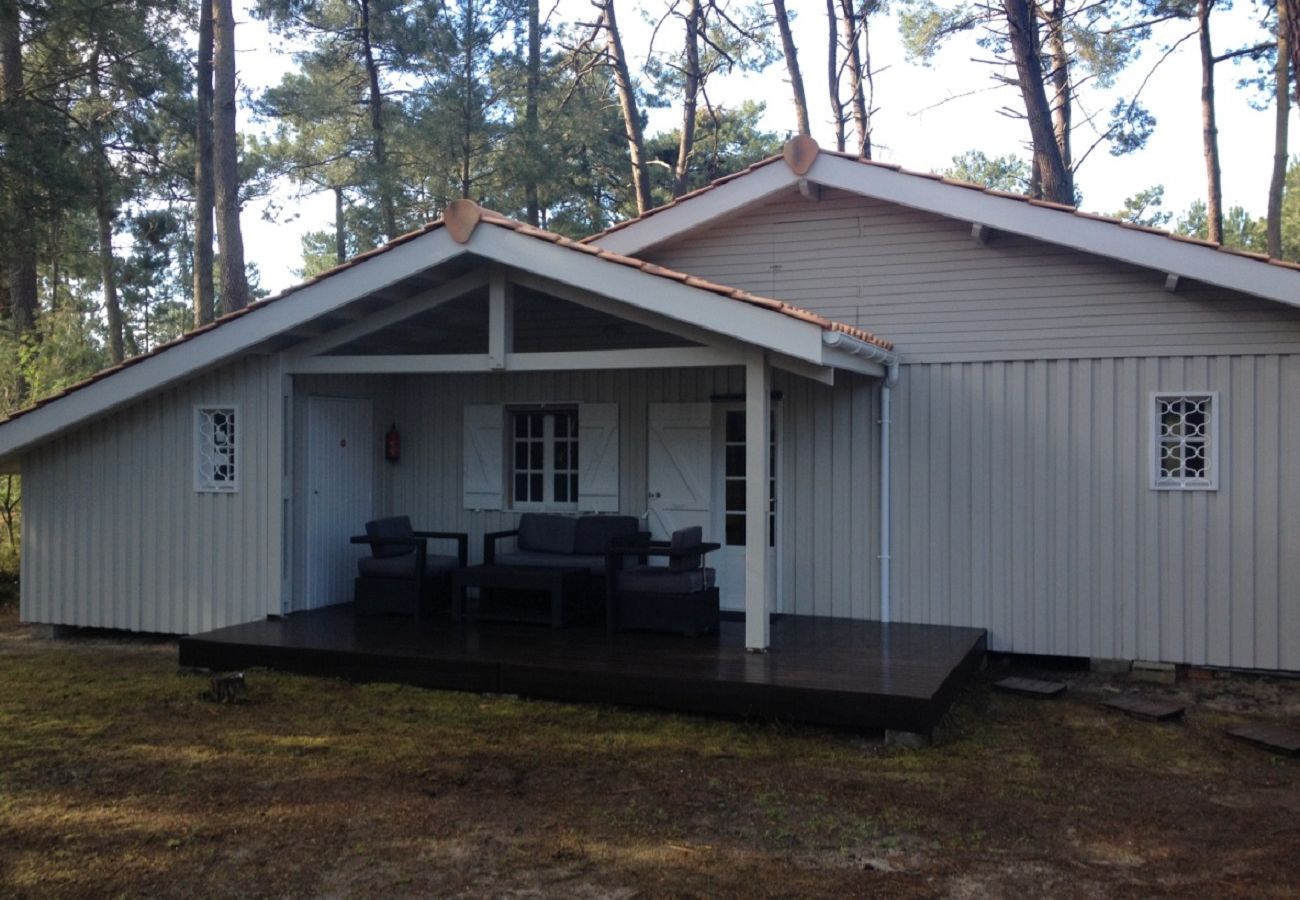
(225, 155)
(1282, 115)
(792, 66)
(204, 197)
(532, 128)
(690, 97)
(627, 101)
(1293, 41)
(868, 77)
(104, 218)
(1209, 128)
(467, 104)
(378, 144)
(1062, 109)
(833, 73)
(340, 229)
(21, 252)
(1056, 183)
(853, 64)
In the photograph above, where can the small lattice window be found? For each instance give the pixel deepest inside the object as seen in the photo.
(216, 458)
(1184, 443)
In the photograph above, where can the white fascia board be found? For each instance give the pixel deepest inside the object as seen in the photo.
(226, 341)
(1108, 239)
(695, 212)
(673, 299)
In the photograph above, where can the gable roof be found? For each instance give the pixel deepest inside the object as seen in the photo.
(1152, 248)
(507, 242)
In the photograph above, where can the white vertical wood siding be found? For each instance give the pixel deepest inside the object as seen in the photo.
(114, 534)
(921, 281)
(1023, 505)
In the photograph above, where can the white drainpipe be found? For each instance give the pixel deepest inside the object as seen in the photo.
(886, 396)
(855, 347)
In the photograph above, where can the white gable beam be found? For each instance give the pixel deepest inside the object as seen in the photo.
(1150, 251)
(212, 347)
(398, 312)
(649, 358)
(669, 298)
(708, 207)
(501, 317)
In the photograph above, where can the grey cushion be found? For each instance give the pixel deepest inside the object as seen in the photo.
(404, 566)
(546, 532)
(662, 580)
(684, 538)
(551, 560)
(595, 532)
(392, 527)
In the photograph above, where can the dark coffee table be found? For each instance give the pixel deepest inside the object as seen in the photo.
(562, 584)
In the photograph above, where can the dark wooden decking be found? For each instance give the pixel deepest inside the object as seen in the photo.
(863, 675)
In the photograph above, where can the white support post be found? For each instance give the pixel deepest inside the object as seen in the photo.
(279, 443)
(758, 400)
(500, 318)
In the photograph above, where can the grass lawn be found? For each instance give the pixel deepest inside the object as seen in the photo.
(117, 779)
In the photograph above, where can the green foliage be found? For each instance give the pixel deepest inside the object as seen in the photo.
(1241, 230)
(11, 495)
(1003, 173)
(924, 25)
(726, 140)
(1143, 208)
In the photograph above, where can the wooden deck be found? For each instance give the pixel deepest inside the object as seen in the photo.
(840, 672)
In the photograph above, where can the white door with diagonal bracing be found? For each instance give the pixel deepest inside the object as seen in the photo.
(341, 449)
(680, 468)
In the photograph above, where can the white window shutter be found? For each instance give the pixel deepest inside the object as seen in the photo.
(484, 463)
(598, 455)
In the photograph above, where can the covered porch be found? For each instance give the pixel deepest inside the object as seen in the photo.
(525, 373)
(834, 672)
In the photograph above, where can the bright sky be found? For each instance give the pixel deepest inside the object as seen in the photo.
(913, 125)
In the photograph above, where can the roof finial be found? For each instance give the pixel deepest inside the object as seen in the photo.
(800, 153)
(460, 217)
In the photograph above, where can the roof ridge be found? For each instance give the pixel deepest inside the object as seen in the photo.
(955, 182)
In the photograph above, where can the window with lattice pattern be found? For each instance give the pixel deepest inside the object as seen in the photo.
(1184, 441)
(216, 457)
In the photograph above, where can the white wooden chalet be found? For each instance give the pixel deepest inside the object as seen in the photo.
(914, 400)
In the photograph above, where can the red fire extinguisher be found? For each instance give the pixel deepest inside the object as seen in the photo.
(392, 444)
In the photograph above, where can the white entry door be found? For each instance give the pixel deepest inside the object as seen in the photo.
(729, 507)
(680, 468)
(341, 452)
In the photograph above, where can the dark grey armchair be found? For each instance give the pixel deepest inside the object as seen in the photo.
(401, 576)
(677, 596)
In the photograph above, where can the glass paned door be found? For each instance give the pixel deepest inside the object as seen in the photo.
(733, 476)
(730, 506)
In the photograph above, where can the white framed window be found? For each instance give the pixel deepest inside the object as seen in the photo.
(543, 459)
(216, 449)
(1185, 441)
